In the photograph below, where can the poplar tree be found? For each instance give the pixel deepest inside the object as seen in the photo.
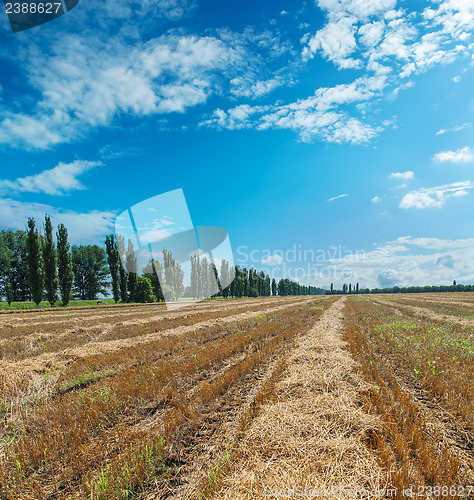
(154, 272)
(34, 261)
(174, 275)
(49, 259)
(205, 278)
(225, 277)
(9, 294)
(194, 275)
(122, 272)
(131, 264)
(113, 259)
(65, 272)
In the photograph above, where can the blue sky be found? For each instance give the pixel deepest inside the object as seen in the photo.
(343, 128)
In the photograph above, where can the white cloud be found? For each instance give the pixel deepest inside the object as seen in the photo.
(272, 260)
(336, 41)
(435, 196)
(371, 33)
(406, 261)
(83, 227)
(462, 155)
(389, 45)
(86, 82)
(403, 175)
(320, 115)
(248, 87)
(435, 243)
(454, 129)
(359, 9)
(156, 230)
(376, 199)
(57, 181)
(337, 197)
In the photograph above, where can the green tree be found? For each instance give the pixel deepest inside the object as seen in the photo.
(14, 264)
(225, 277)
(267, 288)
(238, 284)
(65, 271)
(246, 282)
(113, 259)
(123, 278)
(215, 275)
(34, 260)
(144, 290)
(9, 294)
(154, 272)
(274, 287)
(131, 265)
(90, 271)
(174, 275)
(195, 274)
(49, 260)
(205, 278)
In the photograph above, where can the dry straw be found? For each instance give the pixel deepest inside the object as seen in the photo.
(309, 441)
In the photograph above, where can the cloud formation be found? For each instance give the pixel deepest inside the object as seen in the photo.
(403, 175)
(83, 227)
(272, 260)
(406, 261)
(338, 197)
(321, 115)
(390, 45)
(435, 196)
(59, 180)
(463, 155)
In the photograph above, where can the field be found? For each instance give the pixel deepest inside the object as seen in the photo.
(291, 397)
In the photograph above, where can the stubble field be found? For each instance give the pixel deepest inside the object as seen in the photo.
(296, 397)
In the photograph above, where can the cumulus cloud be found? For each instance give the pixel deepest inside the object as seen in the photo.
(387, 44)
(435, 243)
(79, 83)
(85, 82)
(462, 155)
(376, 199)
(83, 227)
(435, 196)
(272, 260)
(446, 261)
(321, 115)
(360, 10)
(403, 175)
(59, 180)
(387, 278)
(406, 261)
(336, 42)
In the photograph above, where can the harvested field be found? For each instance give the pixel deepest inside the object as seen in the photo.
(305, 396)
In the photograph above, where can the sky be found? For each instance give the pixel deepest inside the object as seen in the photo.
(332, 139)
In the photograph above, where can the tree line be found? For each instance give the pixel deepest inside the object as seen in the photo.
(35, 267)
(347, 289)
